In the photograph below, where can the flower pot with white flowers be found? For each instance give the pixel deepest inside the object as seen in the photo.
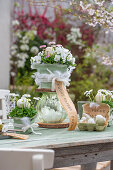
(102, 96)
(54, 64)
(24, 114)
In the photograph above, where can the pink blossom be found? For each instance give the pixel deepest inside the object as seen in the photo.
(43, 46)
(48, 56)
(107, 61)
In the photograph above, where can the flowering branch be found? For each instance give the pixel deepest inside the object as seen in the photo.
(97, 12)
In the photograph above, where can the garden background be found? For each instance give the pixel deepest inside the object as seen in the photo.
(31, 26)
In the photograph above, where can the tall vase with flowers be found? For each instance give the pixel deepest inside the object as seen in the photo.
(54, 63)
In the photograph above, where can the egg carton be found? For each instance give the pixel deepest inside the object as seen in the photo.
(91, 127)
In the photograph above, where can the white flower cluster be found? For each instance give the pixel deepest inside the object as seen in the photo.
(24, 47)
(107, 61)
(21, 59)
(56, 52)
(75, 37)
(25, 40)
(21, 52)
(99, 14)
(24, 101)
(102, 95)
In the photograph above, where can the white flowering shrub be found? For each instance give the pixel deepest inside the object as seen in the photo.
(54, 54)
(22, 49)
(99, 12)
(93, 12)
(75, 37)
(25, 45)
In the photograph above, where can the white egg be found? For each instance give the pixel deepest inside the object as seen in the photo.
(91, 120)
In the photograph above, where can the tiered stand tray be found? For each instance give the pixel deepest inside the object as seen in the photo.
(54, 125)
(44, 90)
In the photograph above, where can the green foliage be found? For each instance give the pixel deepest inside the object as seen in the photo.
(25, 85)
(110, 103)
(25, 80)
(51, 60)
(25, 88)
(24, 112)
(89, 74)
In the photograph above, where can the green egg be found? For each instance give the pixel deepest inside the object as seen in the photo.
(100, 122)
(100, 128)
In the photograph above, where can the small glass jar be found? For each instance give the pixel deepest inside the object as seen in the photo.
(49, 109)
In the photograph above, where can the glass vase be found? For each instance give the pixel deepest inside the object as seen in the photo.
(49, 109)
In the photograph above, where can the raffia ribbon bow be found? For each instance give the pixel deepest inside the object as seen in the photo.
(59, 77)
(56, 75)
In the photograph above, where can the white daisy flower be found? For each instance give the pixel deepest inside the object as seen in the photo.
(26, 95)
(57, 58)
(69, 57)
(38, 59)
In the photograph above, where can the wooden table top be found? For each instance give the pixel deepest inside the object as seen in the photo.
(57, 138)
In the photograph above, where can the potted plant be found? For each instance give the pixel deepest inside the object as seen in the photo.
(102, 96)
(23, 113)
(53, 63)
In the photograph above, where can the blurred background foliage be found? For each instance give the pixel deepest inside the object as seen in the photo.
(80, 38)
